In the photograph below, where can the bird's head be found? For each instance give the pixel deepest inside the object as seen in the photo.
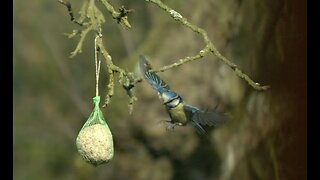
(170, 98)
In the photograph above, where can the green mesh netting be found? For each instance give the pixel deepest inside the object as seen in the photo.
(96, 117)
(94, 141)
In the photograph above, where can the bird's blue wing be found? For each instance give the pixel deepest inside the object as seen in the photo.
(209, 118)
(152, 78)
(205, 118)
(191, 111)
(191, 108)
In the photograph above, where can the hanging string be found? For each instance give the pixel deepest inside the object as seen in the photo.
(97, 63)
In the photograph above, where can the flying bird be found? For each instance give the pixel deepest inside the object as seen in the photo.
(180, 112)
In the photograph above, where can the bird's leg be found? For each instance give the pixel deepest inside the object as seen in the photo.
(171, 126)
(170, 123)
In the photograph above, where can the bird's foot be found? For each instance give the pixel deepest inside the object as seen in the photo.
(170, 126)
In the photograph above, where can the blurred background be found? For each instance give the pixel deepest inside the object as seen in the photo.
(265, 138)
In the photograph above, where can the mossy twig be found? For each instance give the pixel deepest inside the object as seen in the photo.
(125, 78)
(69, 8)
(120, 16)
(83, 36)
(95, 19)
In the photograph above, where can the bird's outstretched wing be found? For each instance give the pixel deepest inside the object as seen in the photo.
(198, 127)
(205, 118)
(153, 79)
(209, 118)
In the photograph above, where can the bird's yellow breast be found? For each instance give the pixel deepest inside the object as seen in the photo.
(178, 114)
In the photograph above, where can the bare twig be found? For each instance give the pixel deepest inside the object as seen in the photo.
(179, 62)
(209, 47)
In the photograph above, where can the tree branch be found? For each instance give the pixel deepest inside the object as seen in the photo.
(69, 8)
(125, 78)
(209, 47)
(121, 16)
(179, 62)
(95, 19)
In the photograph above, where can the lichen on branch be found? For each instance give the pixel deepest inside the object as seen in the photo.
(91, 19)
(120, 16)
(126, 79)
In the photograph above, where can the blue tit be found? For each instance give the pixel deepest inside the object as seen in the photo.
(180, 113)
